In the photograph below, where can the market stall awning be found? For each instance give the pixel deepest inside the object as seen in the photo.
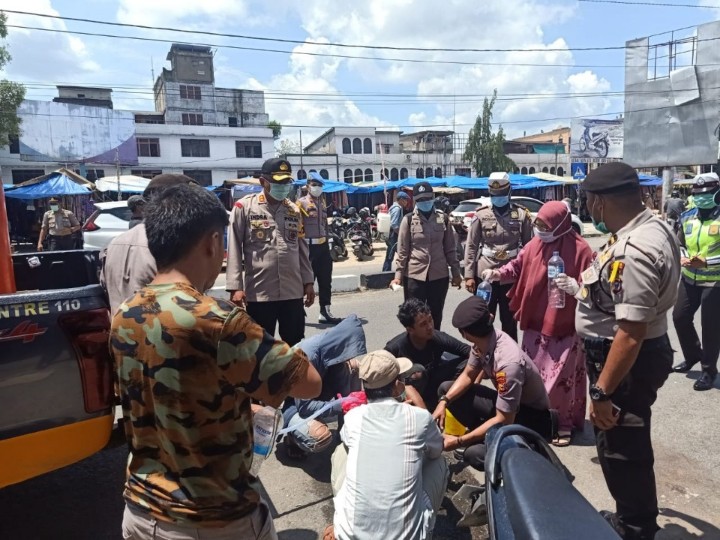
(55, 184)
(517, 181)
(128, 183)
(70, 175)
(547, 177)
(649, 180)
(329, 186)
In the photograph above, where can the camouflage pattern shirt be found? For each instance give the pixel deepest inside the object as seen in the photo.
(187, 367)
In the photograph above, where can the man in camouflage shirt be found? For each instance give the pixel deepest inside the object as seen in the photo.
(187, 367)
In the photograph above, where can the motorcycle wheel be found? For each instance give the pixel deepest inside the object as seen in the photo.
(602, 148)
(366, 250)
(343, 250)
(334, 255)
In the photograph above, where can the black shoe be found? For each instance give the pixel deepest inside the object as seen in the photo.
(614, 522)
(624, 532)
(459, 453)
(705, 382)
(683, 367)
(326, 317)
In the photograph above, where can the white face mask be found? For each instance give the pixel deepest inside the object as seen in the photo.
(315, 191)
(54, 207)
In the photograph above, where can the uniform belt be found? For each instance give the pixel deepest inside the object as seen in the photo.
(500, 254)
(316, 240)
(60, 235)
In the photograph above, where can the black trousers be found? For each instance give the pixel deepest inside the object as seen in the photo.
(499, 298)
(625, 452)
(427, 379)
(288, 315)
(391, 244)
(432, 292)
(477, 405)
(60, 243)
(690, 299)
(322, 266)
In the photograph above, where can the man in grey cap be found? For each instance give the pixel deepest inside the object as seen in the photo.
(389, 475)
(496, 235)
(621, 316)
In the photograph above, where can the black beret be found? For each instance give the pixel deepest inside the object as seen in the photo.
(422, 190)
(611, 177)
(471, 311)
(276, 170)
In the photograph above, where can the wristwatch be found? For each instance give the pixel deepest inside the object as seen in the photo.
(598, 394)
(444, 398)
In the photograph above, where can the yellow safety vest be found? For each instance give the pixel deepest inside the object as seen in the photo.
(702, 239)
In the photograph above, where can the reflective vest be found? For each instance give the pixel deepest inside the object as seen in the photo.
(702, 239)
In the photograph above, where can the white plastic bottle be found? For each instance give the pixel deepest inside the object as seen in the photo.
(484, 291)
(556, 296)
(266, 423)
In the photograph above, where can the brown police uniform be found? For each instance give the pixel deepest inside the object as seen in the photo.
(494, 239)
(58, 227)
(268, 239)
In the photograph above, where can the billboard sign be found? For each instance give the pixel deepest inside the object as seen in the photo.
(64, 132)
(595, 140)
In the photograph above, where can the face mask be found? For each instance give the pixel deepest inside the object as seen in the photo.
(402, 397)
(705, 201)
(280, 191)
(425, 206)
(549, 236)
(54, 207)
(500, 201)
(316, 191)
(599, 226)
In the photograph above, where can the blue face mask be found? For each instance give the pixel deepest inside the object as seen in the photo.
(425, 206)
(500, 201)
(280, 191)
(705, 201)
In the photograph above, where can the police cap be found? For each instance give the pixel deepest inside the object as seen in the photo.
(611, 178)
(472, 312)
(706, 183)
(499, 183)
(422, 191)
(276, 170)
(53, 200)
(315, 177)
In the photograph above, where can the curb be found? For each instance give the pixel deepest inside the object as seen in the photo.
(346, 283)
(379, 280)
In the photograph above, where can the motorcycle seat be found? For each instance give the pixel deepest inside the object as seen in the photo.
(596, 134)
(543, 504)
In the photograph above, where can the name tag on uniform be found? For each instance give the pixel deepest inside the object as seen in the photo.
(440, 219)
(591, 275)
(714, 230)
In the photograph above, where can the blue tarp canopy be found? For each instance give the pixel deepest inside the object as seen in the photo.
(56, 184)
(8, 186)
(649, 180)
(329, 186)
(517, 181)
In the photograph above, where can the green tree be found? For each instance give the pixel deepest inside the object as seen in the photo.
(11, 94)
(276, 128)
(484, 149)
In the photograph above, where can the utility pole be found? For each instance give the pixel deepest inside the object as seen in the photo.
(117, 172)
(302, 151)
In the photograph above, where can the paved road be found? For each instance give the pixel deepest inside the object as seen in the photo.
(84, 501)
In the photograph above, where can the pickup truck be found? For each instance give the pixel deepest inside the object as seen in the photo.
(56, 375)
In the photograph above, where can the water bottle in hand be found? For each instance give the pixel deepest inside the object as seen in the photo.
(266, 423)
(556, 296)
(484, 291)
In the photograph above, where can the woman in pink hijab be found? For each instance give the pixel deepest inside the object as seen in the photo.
(549, 336)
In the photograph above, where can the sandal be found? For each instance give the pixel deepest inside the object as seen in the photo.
(563, 439)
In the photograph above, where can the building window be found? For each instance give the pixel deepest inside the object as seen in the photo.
(516, 170)
(545, 169)
(393, 174)
(146, 173)
(403, 173)
(324, 174)
(92, 174)
(149, 119)
(190, 92)
(347, 176)
(560, 171)
(531, 170)
(346, 146)
(438, 172)
(201, 176)
(232, 121)
(367, 146)
(148, 147)
(248, 149)
(301, 174)
(419, 173)
(463, 171)
(523, 170)
(23, 175)
(552, 170)
(428, 172)
(192, 119)
(384, 174)
(369, 177)
(357, 146)
(195, 147)
(14, 144)
(358, 175)
(245, 173)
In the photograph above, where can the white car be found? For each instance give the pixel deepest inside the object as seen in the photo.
(109, 220)
(463, 213)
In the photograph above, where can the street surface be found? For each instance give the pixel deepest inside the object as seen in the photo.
(84, 501)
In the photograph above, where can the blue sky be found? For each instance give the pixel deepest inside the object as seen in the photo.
(349, 87)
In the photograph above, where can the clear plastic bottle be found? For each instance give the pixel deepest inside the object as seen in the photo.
(556, 296)
(266, 423)
(484, 291)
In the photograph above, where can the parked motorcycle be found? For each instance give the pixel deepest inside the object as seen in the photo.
(337, 226)
(597, 142)
(338, 249)
(360, 234)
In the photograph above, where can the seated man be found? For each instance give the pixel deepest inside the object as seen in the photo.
(437, 356)
(334, 354)
(520, 395)
(187, 367)
(389, 476)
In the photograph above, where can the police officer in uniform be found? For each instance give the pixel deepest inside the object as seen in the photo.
(496, 236)
(266, 240)
(426, 247)
(623, 302)
(59, 224)
(314, 211)
(699, 234)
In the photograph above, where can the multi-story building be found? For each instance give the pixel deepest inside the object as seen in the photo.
(211, 134)
(547, 152)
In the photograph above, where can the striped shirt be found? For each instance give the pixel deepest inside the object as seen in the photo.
(382, 495)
